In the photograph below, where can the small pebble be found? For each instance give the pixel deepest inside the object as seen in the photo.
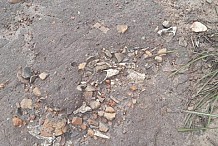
(43, 75)
(158, 59)
(26, 73)
(77, 121)
(14, 1)
(110, 116)
(36, 92)
(109, 110)
(166, 24)
(103, 127)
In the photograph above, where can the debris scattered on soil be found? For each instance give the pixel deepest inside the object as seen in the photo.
(122, 28)
(101, 76)
(101, 27)
(198, 27)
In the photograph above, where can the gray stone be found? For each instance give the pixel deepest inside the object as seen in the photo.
(27, 72)
(166, 24)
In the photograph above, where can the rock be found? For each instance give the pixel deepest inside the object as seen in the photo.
(14, 1)
(162, 52)
(100, 66)
(111, 73)
(119, 56)
(53, 126)
(99, 134)
(109, 110)
(103, 127)
(88, 95)
(183, 42)
(166, 24)
(77, 121)
(27, 73)
(133, 88)
(95, 104)
(209, 1)
(82, 66)
(170, 30)
(101, 113)
(148, 53)
(101, 27)
(43, 75)
(198, 27)
(20, 78)
(134, 101)
(135, 76)
(37, 92)
(90, 88)
(107, 53)
(159, 59)
(110, 116)
(26, 103)
(92, 122)
(90, 132)
(83, 126)
(83, 109)
(3, 85)
(17, 122)
(122, 28)
(94, 116)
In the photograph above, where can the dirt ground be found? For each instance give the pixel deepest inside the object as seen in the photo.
(56, 36)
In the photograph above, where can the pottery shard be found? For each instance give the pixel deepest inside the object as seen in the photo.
(103, 127)
(43, 75)
(110, 116)
(122, 28)
(17, 122)
(95, 104)
(77, 121)
(53, 127)
(159, 59)
(90, 132)
(26, 104)
(92, 122)
(109, 110)
(36, 91)
(14, 1)
(101, 113)
(198, 27)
